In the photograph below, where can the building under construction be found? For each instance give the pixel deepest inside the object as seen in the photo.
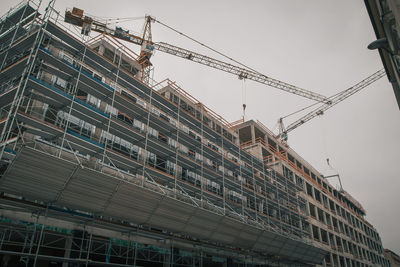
(100, 169)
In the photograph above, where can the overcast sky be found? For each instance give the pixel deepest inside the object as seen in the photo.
(318, 45)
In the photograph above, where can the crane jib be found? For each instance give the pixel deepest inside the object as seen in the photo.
(76, 17)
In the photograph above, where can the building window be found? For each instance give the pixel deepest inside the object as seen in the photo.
(300, 182)
(138, 124)
(111, 110)
(328, 219)
(331, 205)
(315, 232)
(58, 82)
(312, 210)
(317, 195)
(324, 236)
(93, 101)
(309, 189)
(321, 215)
(152, 132)
(75, 124)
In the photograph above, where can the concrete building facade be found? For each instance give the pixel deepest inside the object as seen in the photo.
(98, 168)
(392, 257)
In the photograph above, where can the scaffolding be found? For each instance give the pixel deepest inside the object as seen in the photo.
(81, 136)
(34, 242)
(99, 169)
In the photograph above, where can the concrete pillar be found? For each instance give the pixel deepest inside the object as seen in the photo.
(253, 135)
(67, 253)
(101, 49)
(167, 260)
(332, 262)
(344, 262)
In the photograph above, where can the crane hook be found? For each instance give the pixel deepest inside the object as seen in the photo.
(244, 97)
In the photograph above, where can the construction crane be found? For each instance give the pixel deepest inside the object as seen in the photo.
(76, 17)
(333, 100)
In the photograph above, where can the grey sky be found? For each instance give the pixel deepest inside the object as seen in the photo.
(317, 45)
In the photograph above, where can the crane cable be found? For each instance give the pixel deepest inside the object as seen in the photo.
(336, 98)
(300, 110)
(206, 46)
(280, 121)
(221, 54)
(324, 138)
(109, 19)
(307, 107)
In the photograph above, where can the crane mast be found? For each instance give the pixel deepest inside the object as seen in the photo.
(76, 17)
(146, 51)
